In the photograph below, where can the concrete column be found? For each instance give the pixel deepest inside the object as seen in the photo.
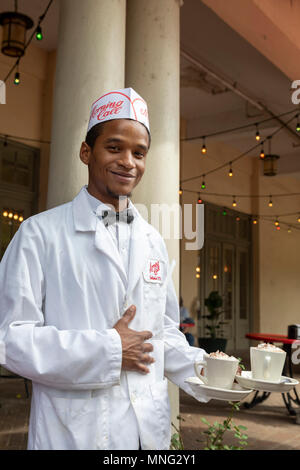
(90, 61)
(152, 69)
(46, 129)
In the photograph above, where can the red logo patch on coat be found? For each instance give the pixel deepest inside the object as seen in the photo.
(154, 271)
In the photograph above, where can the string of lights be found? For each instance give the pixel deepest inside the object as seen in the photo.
(274, 220)
(243, 195)
(267, 217)
(250, 196)
(278, 223)
(239, 128)
(238, 157)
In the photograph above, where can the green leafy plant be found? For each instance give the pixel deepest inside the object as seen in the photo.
(176, 439)
(215, 432)
(241, 365)
(213, 303)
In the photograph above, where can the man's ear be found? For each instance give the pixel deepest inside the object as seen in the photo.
(85, 153)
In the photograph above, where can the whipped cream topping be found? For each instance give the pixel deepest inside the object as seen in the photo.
(269, 347)
(221, 355)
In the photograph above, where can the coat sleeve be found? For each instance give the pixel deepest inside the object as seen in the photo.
(66, 359)
(179, 355)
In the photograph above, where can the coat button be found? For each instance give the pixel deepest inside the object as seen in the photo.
(133, 397)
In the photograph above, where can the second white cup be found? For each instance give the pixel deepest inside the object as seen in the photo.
(219, 373)
(266, 364)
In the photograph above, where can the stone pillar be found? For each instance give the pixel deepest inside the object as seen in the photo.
(152, 69)
(90, 61)
(46, 129)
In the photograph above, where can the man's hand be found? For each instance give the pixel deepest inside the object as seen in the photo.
(134, 348)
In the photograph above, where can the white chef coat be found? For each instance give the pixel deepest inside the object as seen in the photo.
(62, 289)
(120, 233)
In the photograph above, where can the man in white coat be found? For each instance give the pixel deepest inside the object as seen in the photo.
(88, 310)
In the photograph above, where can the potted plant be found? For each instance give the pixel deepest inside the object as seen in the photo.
(215, 340)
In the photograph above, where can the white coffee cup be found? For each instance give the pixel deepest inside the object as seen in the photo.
(219, 373)
(267, 364)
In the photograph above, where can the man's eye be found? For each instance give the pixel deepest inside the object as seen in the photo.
(114, 148)
(139, 154)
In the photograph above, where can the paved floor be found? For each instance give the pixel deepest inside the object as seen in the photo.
(268, 424)
(14, 414)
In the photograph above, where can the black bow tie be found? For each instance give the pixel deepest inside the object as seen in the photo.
(110, 217)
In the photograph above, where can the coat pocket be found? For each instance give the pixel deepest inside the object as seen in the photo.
(68, 423)
(160, 397)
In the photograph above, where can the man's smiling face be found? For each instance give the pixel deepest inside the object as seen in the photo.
(117, 160)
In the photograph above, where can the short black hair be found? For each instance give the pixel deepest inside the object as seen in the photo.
(93, 133)
(97, 130)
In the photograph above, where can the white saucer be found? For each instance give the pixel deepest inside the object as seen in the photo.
(236, 393)
(285, 384)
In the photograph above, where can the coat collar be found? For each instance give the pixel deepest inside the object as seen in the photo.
(85, 219)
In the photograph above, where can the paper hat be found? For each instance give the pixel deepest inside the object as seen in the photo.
(119, 104)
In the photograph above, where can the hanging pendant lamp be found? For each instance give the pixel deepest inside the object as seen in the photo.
(15, 26)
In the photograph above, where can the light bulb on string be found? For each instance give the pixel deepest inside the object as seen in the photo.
(298, 124)
(257, 135)
(203, 185)
(199, 201)
(255, 221)
(17, 75)
(262, 153)
(234, 202)
(277, 227)
(299, 218)
(276, 223)
(17, 78)
(204, 149)
(230, 173)
(38, 33)
(237, 218)
(180, 191)
(270, 202)
(224, 212)
(289, 230)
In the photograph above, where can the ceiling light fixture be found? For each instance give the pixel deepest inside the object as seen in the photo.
(15, 26)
